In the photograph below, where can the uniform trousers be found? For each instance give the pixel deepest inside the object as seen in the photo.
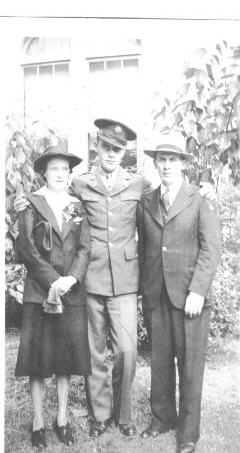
(175, 335)
(120, 314)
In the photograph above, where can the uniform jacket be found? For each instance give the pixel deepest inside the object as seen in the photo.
(69, 254)
(113, 268)
(183, 250)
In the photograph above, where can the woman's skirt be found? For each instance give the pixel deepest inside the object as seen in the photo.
(53, 343)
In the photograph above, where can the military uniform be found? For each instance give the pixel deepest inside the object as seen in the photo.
(112, 285)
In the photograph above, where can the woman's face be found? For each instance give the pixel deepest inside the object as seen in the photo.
(57, 174)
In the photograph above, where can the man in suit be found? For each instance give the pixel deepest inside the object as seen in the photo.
(179, 243)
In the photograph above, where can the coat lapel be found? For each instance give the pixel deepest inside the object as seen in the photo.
(96, 183)
(44, 209)
(182, 200)
(122, 182)
(67, 225)
(152, 205)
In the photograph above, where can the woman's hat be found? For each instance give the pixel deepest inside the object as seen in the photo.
(170, 142)
(55, 151)
(114, 132)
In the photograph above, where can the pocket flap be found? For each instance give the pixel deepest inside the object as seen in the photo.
(130, 251)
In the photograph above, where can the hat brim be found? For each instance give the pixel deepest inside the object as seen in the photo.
(103, 122)
(152, 153)
(111, 141)
(41, 161)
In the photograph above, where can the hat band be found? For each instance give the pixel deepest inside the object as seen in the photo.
(112, 137)
(170, 148)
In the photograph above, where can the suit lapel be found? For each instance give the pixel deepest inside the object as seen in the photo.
(44, 209)
(152, 205)
(182, 200)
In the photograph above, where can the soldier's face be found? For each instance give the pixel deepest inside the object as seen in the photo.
(170, 167)
(109, 156)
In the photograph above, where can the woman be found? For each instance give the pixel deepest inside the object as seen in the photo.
(55, 247)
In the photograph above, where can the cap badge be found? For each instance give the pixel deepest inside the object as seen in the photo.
(118, 129)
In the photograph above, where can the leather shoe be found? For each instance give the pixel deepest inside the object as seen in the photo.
(64, 433)
(98, 428)
(187, 447)
(127, 429)
(38, 439)
(151, 432)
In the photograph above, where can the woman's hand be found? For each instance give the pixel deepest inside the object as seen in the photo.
(207, 190)
(63, 284)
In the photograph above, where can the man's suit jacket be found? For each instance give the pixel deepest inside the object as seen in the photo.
(113, 269)
(69, 254)
(183, 249)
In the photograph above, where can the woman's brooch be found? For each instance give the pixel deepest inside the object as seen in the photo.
(72, 212)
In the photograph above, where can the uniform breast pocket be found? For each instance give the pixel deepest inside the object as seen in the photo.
(128, 205)
(92, 204)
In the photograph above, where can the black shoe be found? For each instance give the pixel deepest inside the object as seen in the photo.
(154, 432)
(127, 429)
(98, 428)
(64, 433)
(38, 439)
(186, 447)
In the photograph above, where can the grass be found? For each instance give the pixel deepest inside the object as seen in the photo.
(220, 410)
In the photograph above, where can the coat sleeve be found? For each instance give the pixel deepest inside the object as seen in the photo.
(75, 187)
(209, 237)
(39, 268)
(140, 234)
(80, 263)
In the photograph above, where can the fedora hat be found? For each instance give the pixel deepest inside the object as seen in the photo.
(55, 151)
(170, 142)
(114, 132)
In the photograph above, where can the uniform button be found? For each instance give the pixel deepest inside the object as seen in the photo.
(110, 213)
(109, 198)
(164, 249)
(110, 228)
(110, 244)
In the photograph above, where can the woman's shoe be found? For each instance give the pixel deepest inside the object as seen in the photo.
(38, 439)
(64, 433)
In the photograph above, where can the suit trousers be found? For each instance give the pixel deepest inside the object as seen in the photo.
(120, 314)
(176, 336)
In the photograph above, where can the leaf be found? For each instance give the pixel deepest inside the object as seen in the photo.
(219, 48)
(217, 59)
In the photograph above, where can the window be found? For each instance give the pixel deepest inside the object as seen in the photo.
(46, 93)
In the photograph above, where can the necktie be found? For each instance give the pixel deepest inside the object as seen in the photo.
(166, 200)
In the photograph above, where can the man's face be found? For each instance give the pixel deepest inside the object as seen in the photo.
(170, 167)
(109, 156)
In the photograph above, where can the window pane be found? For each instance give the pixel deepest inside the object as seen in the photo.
(30, 72)
(45, 71)
(61, 69)
(131, 63)
(96, 66)
(113, 64)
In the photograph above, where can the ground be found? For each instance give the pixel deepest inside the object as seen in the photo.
(220, 409)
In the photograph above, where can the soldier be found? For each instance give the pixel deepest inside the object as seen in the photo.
(110, 195)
